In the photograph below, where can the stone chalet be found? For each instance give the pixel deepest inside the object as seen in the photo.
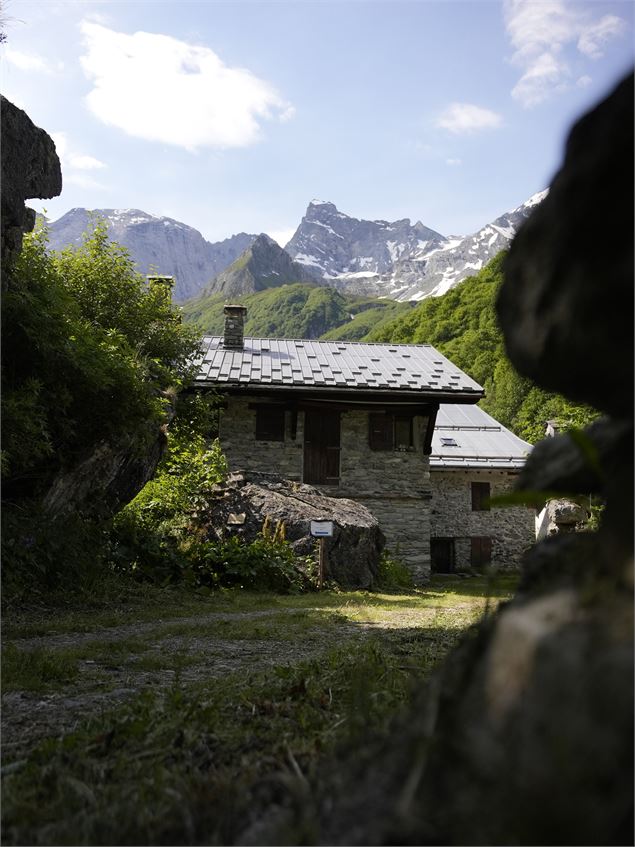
(352, 419)
(474, 458)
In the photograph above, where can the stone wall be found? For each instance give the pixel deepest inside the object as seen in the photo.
(393, 485)
(242, 451)
(511, 528)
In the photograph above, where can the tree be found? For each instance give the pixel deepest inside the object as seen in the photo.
(89, 350)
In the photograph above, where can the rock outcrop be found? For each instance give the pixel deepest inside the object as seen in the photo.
(243, 503)
(525, 736)
(263, 265)
(105, 480)
(30, 168)
(564, 295)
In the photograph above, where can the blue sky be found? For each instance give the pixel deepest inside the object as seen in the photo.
(232, 116)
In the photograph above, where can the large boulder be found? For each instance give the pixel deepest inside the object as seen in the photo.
(566, 304)
(241, 505)
(30, 168)
(106, 479)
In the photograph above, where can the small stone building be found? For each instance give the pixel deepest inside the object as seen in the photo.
(475, 458)
(354, 420)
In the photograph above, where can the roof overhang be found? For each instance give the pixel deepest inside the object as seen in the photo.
(351, 396)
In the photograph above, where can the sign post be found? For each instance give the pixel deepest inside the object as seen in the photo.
(321, 530)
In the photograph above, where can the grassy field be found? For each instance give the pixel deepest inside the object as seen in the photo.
(174, 718)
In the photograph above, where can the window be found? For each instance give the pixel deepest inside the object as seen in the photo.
(389, 432)
(269, 423)
(481, 551)
(380, 431)
(448, 442)
(403, 432)
(480, 496)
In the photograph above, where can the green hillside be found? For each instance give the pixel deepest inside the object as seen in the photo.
(298, 310)
(462, 325)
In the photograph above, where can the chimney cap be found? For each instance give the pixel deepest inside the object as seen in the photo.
(230, 308)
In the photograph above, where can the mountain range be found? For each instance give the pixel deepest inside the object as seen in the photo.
(398, 260)
(157, 245)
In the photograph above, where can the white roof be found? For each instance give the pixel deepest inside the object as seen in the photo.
(467, 437)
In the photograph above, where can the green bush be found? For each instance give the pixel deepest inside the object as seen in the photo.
(90, 354)
(88, 350)
(158, 536)
(393, 574)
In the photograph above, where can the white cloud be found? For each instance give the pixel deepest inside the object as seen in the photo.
(540, 32)
(31, 61)
(453, 162)
(83, 181)
(158, 88)
(583, 81)
(281, 236)
(85, 163)
(74, 164)
(461, 118)
(545, 74)
(595, 36)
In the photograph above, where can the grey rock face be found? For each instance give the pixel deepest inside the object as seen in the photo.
(335, 244)
(105, 480)
(432, 273)
(156, 244)
(30, 168)
(354, 550)
(264, 264)
(396, 260)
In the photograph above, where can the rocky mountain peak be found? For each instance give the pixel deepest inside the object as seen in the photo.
(264, 264)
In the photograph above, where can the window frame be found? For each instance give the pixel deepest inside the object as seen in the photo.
(382, 432)
(270, 423)
(481, 494)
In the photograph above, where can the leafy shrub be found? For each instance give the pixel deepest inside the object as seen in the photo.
(88, 349)
(266, 564)
(393, 574)
(158, 537)
(89, 354)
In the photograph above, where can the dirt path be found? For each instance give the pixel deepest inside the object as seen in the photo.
(109, 681)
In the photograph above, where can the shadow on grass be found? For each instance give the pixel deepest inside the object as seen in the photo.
(199, 764)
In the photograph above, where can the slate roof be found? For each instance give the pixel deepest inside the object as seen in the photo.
(335, 365)
(481, 441)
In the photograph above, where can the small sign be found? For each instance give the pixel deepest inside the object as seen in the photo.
(322, 529)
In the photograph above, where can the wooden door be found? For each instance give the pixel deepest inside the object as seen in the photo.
(442, 555)
(321, 447)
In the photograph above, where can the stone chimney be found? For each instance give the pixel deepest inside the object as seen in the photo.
(233, 336)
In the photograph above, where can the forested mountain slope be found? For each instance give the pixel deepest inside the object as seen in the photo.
(297, 311)
(462, 325)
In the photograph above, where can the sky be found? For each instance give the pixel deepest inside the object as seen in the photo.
(232, 115)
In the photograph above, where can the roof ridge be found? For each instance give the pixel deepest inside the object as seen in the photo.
(328, 341)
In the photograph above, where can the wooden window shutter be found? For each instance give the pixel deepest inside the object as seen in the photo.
(480, 496)
(269, 423)
(481, 551)
(380, 431)
(403, 431)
